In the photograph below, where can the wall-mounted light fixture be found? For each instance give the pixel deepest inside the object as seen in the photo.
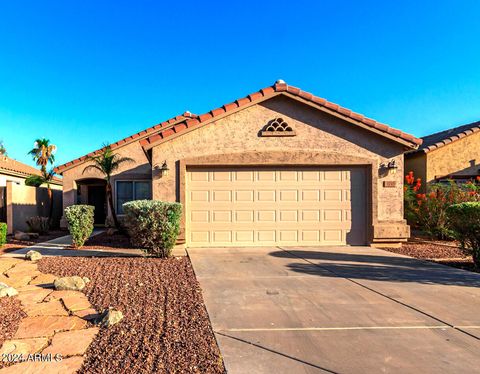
(391, 166)
(163, 170)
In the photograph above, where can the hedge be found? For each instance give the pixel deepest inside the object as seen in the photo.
(80, 223)
(153, 225)
(464, 220)
(3, 233)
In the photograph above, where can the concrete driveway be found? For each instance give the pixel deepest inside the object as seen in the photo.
(339, 310)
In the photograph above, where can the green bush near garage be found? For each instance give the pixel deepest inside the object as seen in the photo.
(3, 233)
(153, 225)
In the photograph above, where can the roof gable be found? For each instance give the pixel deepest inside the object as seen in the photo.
(281, 88)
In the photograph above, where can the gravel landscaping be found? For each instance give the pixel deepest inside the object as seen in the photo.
(104, 241)
(446, 254)
(10, 316)
(166, 327)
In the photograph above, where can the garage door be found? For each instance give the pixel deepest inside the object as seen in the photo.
(275, 206)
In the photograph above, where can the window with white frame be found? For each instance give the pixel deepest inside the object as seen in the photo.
(132, 190)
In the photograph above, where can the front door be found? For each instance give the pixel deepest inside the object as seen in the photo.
(97, 198)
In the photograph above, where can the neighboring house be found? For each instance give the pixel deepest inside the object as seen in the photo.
(278, 167)
(18, 202)
(450, 154)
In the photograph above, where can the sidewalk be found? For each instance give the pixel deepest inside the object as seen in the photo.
(60, 247)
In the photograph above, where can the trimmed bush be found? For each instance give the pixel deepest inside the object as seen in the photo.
(153, 225)
(38, 224)
(3, 233)
(80, 223)
(465, 222)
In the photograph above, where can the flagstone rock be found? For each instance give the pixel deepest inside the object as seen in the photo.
(76, 303)
(51, 308)
(32, 296)
(71, 343)
(33, 256)
(44, 280)
(87, 314)
(7, 263)
(69, 283)
(68, 365)
(23, 346)
(44, 326)
(18, 280)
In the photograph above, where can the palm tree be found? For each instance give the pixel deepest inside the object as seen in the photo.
(45, 178)
(43, 153)
(107, 163)
(3, 150)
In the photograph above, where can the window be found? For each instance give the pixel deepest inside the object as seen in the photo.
(132, 190)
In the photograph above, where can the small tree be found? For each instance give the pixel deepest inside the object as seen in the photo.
(3, 150)
(107, 163)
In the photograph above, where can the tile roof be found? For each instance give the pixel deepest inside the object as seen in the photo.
(442, 138)
(14, 167)
(135, 137)
(151, 136)
(282, 88)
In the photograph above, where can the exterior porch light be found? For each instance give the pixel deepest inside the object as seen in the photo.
(163, 169)
(392, 167)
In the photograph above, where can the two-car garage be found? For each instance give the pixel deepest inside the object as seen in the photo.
(258, 206)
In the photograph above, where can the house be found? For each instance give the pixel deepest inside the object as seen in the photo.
(18, 202)
(449, 154)
(278, 167)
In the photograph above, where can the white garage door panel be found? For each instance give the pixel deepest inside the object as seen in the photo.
(284, 206)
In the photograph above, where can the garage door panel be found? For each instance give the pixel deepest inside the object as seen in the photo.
(267, 206)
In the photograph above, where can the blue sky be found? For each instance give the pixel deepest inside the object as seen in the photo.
(86, 72)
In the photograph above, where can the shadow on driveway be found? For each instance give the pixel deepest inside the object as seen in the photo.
(376, 267)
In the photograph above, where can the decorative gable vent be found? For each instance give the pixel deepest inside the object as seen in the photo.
(277, 127)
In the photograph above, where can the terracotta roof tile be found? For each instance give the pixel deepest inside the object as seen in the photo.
(442, 138)
(9, 165)
(268, 92)
(137, 136)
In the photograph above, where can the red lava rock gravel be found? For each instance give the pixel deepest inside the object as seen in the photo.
(10, 316)
(443, 254)
(166, 327)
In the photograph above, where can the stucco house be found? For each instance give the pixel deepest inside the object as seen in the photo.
(18, 202)
(278, 167)
(449, 154)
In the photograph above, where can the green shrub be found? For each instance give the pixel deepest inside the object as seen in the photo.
(3, 233)
(464, 220)
(153, 225)
(38, 224)
(80, 223)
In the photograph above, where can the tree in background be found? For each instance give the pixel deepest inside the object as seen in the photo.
(107, 163)
(3, 150)
(43, 153)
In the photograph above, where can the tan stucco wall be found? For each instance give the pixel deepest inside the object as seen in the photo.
(139, 169)
(317, 132)
(23, 202)
(417, 162)
(461, 157)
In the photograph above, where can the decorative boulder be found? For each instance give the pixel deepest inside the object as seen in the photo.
(5, 290)
(69, 284)
(86, 280)
(20, 235)
(33, 256)
(109, 317)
